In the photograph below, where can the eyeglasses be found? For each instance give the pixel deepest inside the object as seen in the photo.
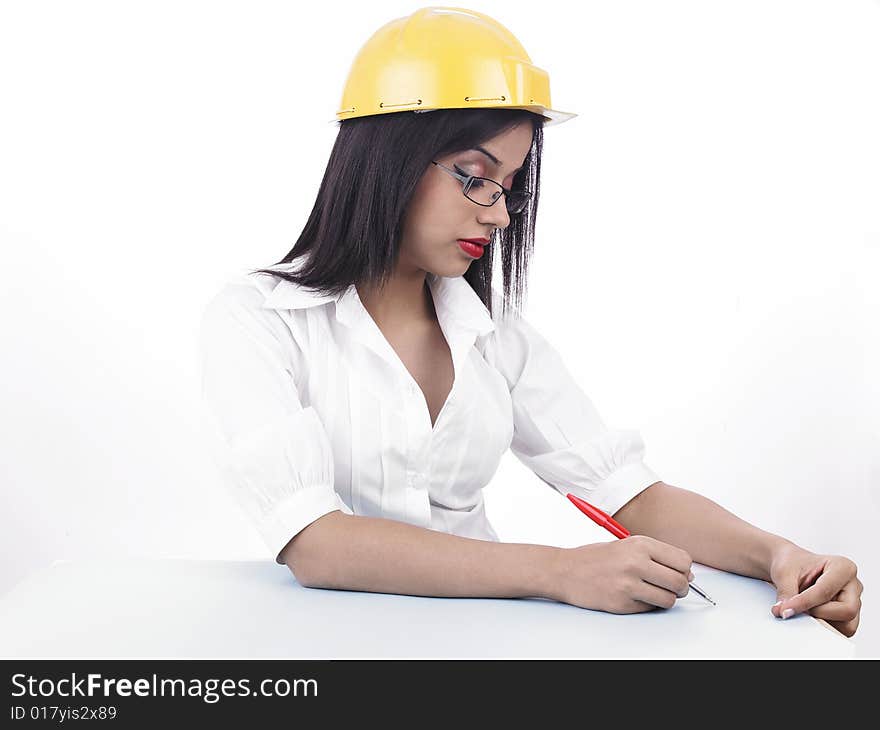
(484, 191)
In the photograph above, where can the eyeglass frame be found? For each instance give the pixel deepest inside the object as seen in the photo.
(467, 181)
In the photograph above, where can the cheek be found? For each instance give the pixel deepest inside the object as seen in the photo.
(425, 198)
(436, 207)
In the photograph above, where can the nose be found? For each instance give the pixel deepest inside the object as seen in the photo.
(495, 215)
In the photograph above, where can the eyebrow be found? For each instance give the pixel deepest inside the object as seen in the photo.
(492, 157)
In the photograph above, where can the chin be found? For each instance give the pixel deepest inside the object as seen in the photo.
(449, 269)
(459, 269)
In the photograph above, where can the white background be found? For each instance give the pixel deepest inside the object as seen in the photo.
(711, 221)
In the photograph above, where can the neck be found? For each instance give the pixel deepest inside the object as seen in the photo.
(406, 298)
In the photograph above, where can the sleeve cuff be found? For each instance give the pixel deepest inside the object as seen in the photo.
(297, 512)
(620, 486)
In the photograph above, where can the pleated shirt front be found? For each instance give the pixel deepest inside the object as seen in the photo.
(308, 409)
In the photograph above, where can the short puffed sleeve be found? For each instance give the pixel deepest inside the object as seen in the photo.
(558, 432)
(273, 454)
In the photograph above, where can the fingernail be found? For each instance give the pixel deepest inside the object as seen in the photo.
(776, 604)
(690, 576)
(787, 612)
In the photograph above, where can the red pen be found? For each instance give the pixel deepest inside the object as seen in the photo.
(616, 529)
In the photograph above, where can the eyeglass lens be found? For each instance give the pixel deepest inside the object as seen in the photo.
(486, 192)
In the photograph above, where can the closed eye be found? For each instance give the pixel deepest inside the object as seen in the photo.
(475, 184)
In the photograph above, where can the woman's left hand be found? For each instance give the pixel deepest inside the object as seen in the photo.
(825, 586)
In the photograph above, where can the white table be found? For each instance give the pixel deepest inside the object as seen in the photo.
(181, 608)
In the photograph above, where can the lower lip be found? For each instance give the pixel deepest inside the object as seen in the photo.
(474, 250)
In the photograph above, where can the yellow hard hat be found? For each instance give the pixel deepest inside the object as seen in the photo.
(445, 58)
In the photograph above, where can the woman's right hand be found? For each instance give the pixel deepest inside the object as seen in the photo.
(632, 575)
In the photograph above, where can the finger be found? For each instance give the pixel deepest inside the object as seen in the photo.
(811, 577)
(640, 607)
(785, 589)
(660, 597)
(845, 606)
(664, 577)
(822, 591)
(835, 611)
(670, 556)
(847, 628)
(792, 587)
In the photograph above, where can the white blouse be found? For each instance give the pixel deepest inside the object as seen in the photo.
(307, 408)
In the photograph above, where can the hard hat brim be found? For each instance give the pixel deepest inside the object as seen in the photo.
(552, 116)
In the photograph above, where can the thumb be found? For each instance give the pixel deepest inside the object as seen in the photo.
(785, 590)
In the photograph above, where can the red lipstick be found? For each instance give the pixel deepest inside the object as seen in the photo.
(474, 250)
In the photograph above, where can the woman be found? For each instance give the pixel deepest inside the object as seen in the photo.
(361, 392)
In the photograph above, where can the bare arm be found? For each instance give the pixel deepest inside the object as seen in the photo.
(374, 554)
(706, 531)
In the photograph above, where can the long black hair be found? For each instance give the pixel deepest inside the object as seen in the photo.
(354, 231)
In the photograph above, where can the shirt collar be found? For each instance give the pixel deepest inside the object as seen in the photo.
(454, 298)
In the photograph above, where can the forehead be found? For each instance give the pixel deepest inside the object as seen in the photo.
(488, 155)
(484, 151)
(508, 148)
